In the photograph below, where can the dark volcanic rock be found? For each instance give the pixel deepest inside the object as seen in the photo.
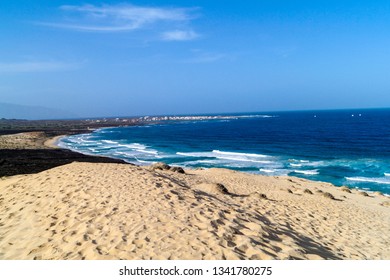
(160, 166)
(177, 169)
(27, 161)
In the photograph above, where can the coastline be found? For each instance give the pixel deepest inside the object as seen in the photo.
(96, 210)
(53, 142)
(33, 152)
(364, 190)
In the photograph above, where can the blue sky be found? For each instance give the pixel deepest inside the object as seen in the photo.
(119, 58)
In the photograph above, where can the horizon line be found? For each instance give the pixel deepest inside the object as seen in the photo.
(202, 114)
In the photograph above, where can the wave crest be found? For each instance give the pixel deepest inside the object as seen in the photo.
(384, 180)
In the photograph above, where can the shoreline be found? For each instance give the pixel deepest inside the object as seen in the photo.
(288, 176)
(97, 209)
(28, 147)
(34, 152)
(66, 128)
(53, 142)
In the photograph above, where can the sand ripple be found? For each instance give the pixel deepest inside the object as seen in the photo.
(116, 211)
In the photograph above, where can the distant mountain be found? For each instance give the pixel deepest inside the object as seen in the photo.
(14, 111)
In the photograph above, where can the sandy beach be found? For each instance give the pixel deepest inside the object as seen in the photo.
(195, 130)
(119, 211)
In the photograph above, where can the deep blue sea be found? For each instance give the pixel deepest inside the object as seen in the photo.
(343, 147)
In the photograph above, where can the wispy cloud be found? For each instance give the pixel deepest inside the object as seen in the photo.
(117, 18)
(41, 66)
(179, 35)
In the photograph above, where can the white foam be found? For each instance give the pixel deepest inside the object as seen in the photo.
(244, 159)
(229, 156)
(124, 153)
(384, 180)
(143, 161)
(212, 163)
(387, 174)
(208, 161)
(109, 142)
(307, 172)
(136, 146)
(152, 152)
(104, 147)
(196, 162)
(268, 170)
(85, 141)
(239, 154)
(196, 154)
(275, 172)
(312, 164)
(303, 162)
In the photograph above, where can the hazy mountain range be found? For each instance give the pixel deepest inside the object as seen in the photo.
(15, 111)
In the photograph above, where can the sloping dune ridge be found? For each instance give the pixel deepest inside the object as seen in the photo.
(118, 211)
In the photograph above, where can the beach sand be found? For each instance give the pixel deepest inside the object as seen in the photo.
(119, 211)
(27, 140)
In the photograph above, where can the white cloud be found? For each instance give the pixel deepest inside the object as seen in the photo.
(179, 35)
(20, 67)
(116, 18)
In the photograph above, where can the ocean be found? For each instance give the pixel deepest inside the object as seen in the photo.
(342, 147)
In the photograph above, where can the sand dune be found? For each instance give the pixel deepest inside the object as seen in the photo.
(117, 211)
(26, 140)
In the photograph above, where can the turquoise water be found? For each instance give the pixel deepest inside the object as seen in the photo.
(348, 147)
